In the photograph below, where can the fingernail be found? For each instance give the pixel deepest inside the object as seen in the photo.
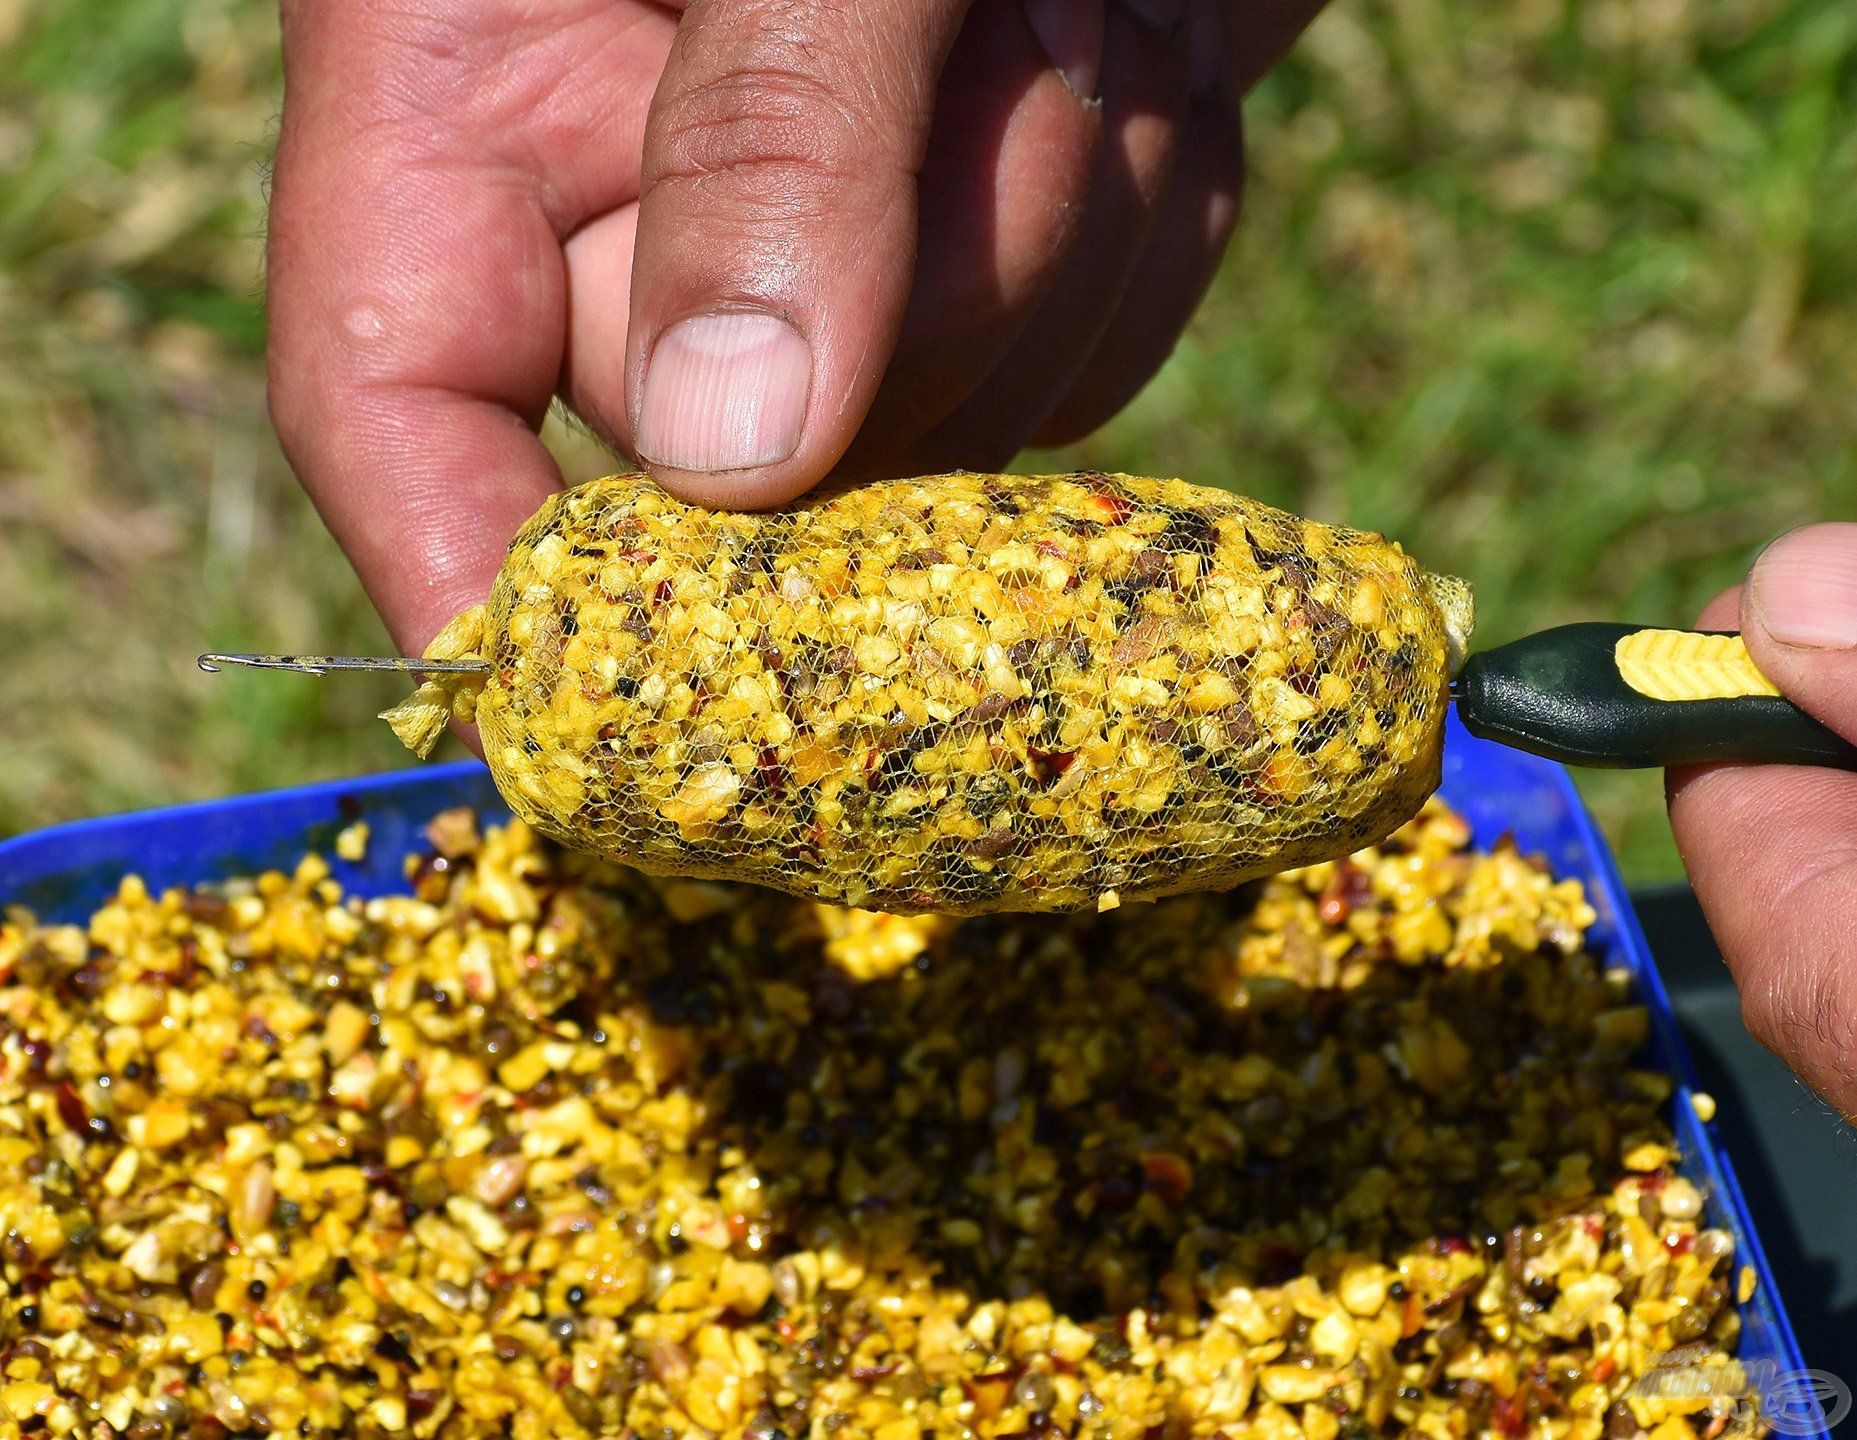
(724, 392)
(1803, 588)
(1162, 15)
(1071, 32)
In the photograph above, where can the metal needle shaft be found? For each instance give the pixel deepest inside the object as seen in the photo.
(321, 664)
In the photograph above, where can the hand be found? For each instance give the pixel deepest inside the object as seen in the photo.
(751, 243)
(1772, 849)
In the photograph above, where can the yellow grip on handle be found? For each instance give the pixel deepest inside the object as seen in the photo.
(1687, 665)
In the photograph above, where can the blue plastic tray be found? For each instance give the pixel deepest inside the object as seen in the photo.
(66, 871)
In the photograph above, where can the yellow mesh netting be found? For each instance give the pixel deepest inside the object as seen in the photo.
(960, 693)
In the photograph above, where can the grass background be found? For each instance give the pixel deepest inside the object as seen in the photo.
(1557, 291)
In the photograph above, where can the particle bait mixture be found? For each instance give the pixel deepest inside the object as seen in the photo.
(550, 1149)
(957, 694)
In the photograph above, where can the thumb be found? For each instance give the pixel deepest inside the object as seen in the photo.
(1799, 618)
(1772, 849)
(776, 236)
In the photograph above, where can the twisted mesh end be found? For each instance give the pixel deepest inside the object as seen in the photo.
(1456, 602)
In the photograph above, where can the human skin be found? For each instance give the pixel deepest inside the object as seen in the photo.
(1772, 849)
(751, 242)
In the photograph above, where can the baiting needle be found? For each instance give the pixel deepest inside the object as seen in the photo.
(322, 664)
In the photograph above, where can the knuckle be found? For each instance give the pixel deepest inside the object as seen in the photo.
(767, 112)
(748, 126)
(436, 33)
(428, 72)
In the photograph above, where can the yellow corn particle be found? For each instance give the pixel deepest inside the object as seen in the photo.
(961, 693)
(352, 844)
(27, 1399)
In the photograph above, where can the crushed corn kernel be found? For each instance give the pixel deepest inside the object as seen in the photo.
(957, 694)
(352, 843)
(547, 1149)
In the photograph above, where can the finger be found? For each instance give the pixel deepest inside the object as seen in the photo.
(415, 283)
(1144, 101)
(1799, 617)
(1257, 35)
(1190, 235)
(1009, 171)
(599, 289)
(776, 236)
(413, 436)
(1772, 852)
